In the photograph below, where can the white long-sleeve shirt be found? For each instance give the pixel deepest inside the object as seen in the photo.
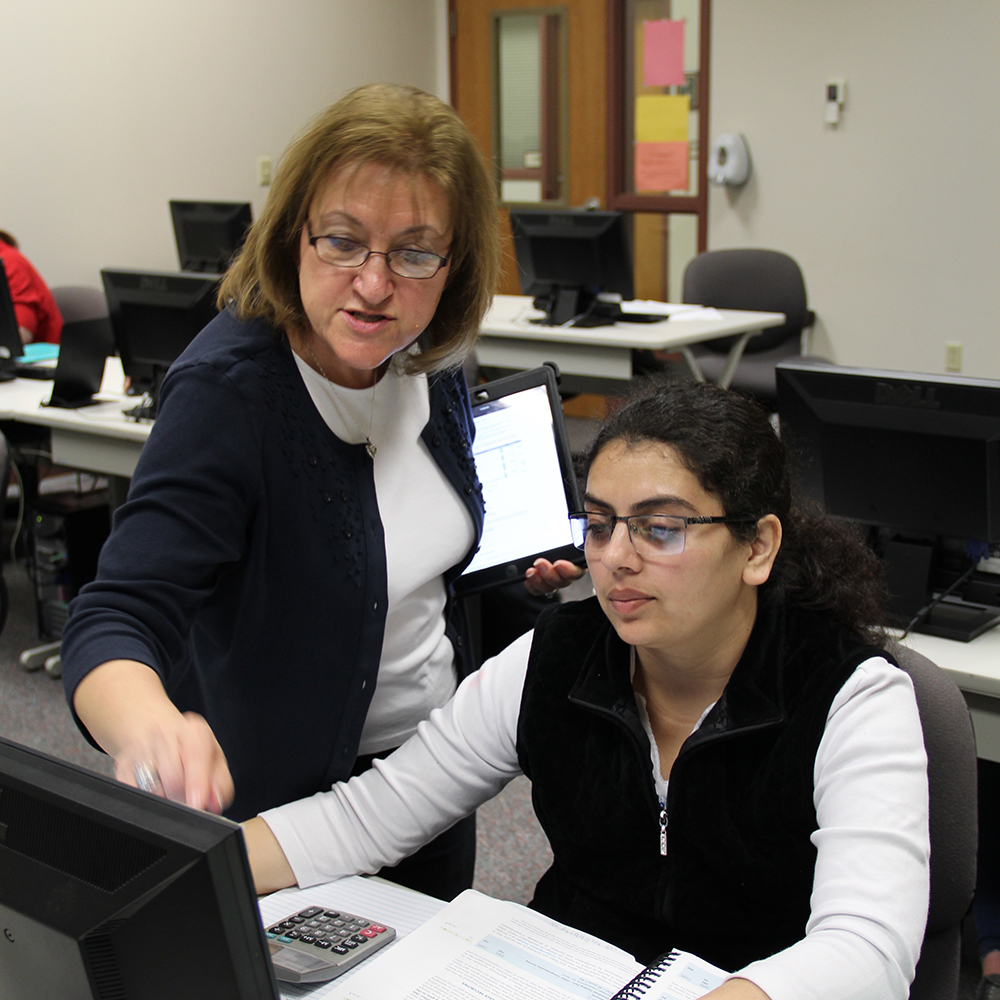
(871, 883)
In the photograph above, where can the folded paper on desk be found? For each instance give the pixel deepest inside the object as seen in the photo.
(479, 948)
(40, 352)
(654, 308)
(708, 312)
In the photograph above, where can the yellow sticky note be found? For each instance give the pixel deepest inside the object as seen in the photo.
(662, 117)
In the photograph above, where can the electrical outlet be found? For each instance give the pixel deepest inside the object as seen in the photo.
(953, 356)
(263, 170)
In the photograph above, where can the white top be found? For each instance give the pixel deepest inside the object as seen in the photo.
(870, 891)
(427, 531)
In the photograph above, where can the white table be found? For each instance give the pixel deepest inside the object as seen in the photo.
(508, 338)
(95, 438)
(975, 668)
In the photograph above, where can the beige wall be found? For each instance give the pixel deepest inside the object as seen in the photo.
(894, 216)
(108, 108)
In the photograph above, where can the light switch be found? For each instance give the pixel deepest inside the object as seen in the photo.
(264, 170)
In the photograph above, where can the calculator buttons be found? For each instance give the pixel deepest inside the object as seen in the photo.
(316, 944)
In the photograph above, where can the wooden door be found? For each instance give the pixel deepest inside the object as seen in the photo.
(472, 95)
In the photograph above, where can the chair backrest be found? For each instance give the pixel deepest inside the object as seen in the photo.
(951, 778)
(79, 302)
(761, 280)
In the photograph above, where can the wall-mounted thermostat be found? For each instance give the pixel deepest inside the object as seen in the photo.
(834, 99)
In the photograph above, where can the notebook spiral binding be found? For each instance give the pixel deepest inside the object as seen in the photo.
(637, 987)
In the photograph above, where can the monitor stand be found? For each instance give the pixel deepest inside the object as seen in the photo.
(955, 619)
(907, 576)
(562, 305)
(146, 410)
(576, 307)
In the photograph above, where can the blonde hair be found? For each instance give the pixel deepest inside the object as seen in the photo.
(404, 129)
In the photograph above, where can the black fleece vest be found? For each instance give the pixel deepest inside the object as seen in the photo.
(736, 881)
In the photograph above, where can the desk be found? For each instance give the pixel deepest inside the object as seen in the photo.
(975, 668)
(509, 340)
(93, 438)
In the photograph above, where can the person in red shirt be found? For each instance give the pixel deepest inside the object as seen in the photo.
(38, 316)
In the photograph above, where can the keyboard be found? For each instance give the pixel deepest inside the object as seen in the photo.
(20, 370)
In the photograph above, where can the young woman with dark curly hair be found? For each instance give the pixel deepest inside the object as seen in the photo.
(722, 755)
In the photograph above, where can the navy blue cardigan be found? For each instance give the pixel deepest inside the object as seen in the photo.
(248, 565)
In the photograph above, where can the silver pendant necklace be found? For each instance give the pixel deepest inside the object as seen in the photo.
(342, 405)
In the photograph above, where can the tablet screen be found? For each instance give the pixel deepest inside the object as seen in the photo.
(524, 478)
(515, 452)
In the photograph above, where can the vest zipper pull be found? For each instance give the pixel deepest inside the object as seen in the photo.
(663, 830)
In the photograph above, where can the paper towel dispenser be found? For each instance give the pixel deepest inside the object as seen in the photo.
(729, 160)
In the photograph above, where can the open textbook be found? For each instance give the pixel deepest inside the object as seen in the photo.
(479, 948)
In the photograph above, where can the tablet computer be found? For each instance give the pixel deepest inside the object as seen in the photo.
(523, 461)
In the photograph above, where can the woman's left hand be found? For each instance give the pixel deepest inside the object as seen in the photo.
(545, 577)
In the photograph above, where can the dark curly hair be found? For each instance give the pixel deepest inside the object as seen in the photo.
(726, 439)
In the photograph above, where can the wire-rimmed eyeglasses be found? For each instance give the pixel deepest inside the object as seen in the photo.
(406, 262)
(652, 535)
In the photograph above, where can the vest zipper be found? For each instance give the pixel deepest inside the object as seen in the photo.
(663, 828)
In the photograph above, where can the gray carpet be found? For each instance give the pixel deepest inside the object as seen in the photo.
(33, 709)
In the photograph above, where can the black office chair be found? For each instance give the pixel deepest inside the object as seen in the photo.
(760, 280)
(951, 778)
(78, 304)
(81, 303)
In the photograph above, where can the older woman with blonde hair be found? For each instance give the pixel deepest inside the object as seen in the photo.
(273, 609)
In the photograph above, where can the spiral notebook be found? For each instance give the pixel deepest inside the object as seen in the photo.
(678, 975)
(480, 948)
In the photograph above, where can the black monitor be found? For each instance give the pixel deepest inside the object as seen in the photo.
(11, 347)
(567, 258)
(209, 233)
(106, 891)
(916, 458)
(155, 315)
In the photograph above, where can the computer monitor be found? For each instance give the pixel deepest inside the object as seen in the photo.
(567, 258)
(916, 458)
(106, 891)
(10, 336)
(209, 233)
(155, 315)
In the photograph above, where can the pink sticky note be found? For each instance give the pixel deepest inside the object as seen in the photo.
(661, 166)
(663, 54)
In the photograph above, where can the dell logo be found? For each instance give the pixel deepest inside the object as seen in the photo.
(899, 394)
(153, 283)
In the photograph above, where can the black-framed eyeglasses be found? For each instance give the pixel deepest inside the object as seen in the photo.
(407, 263)
(652, 535)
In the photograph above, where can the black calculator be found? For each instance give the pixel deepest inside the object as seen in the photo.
(316, 944)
